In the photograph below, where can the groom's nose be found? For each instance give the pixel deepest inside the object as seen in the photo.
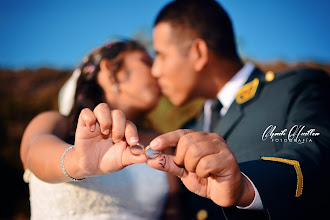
(156, 68)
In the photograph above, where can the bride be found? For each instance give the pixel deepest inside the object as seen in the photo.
(77, 166)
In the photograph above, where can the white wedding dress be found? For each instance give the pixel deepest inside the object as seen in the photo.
(137, 192)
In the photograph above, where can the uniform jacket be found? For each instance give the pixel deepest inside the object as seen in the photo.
(279, 130)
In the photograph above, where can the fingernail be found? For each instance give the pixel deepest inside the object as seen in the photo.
(154, 143)
(134, 139)
(106, 132)
(117, 141)
(93, 128)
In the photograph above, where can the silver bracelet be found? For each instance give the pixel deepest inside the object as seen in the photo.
(64, 171)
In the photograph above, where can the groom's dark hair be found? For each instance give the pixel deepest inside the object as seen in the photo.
(205, 19)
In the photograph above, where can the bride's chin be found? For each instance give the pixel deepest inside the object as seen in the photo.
(150, 105)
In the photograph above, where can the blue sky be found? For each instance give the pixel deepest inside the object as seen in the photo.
(58, 33)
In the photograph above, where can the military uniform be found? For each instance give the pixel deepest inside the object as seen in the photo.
(279, 130)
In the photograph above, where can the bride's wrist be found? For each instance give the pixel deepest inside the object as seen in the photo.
(70, 166)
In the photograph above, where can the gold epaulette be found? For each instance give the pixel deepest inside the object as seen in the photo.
(296, 166)
(247, 92)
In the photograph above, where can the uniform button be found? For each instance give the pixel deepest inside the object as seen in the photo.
(269, 76)
(201, 214)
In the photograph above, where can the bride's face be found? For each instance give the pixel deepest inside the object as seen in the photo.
(137, 88)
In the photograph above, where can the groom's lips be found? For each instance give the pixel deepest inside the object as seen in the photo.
(162, 88)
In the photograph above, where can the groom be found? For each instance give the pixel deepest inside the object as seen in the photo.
(277, 176)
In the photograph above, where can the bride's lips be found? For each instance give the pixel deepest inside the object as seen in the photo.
(158, 87)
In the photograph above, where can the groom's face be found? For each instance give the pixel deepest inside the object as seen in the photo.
(172, 68)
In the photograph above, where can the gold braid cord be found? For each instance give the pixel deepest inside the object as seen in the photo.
(296, 166)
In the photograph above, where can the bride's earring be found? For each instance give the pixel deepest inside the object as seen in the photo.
(115, 88)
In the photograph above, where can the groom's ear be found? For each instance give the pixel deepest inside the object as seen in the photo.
(199, 54)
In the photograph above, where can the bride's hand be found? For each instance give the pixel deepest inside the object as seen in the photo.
(101, 141)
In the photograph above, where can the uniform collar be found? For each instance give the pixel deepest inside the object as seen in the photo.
(228, 93)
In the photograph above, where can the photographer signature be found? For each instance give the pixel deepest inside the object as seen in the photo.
(295, 134)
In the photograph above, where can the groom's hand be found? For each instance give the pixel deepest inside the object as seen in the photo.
(205, 165)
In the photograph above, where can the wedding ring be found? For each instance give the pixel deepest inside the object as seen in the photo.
(139, 149)
(151, 154)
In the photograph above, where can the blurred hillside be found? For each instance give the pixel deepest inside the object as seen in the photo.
(23, 94)
(26, 93)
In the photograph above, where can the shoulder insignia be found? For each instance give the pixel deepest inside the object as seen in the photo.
(269, 76)
(247, 92)
(296, 166)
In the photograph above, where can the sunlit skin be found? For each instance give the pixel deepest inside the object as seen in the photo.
(173, 70)
(102, 133)
(196, 72)
(203, 160)
(137, 91)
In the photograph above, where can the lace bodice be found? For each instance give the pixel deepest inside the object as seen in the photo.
(135, 193)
